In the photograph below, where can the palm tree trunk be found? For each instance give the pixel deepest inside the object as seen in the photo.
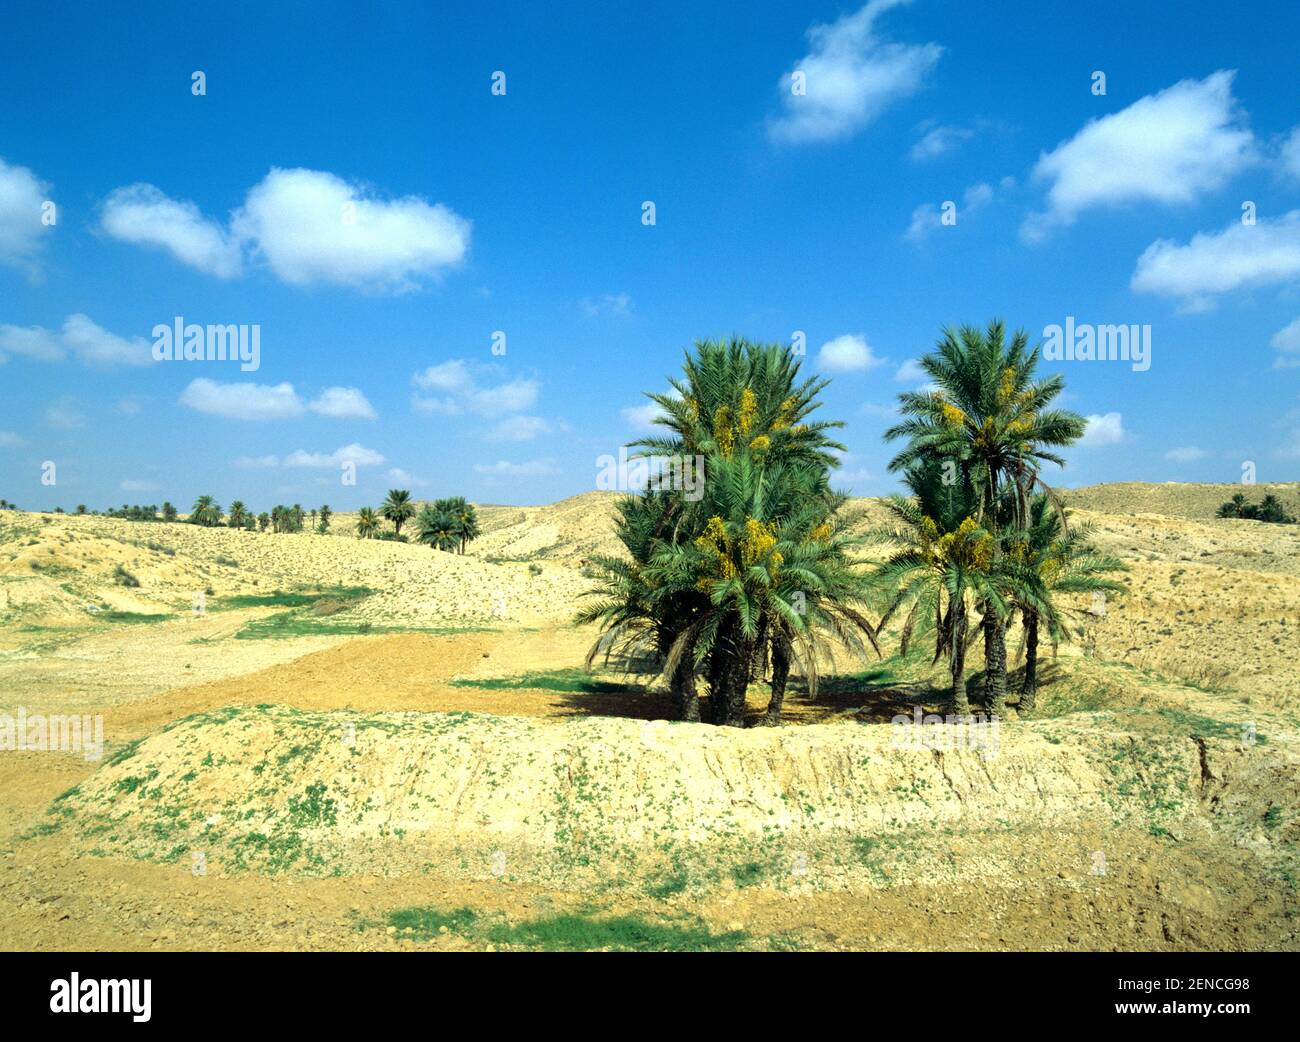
(686, 699)
(780, 674)
(995, 664)
(730, 679)
(960, 704)
(1029, 689)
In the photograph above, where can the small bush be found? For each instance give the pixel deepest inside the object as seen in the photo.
(124, 578)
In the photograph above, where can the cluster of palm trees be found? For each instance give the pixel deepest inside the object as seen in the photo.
(983, 541)
(1268, 509)
(444, 524)
(756, 577)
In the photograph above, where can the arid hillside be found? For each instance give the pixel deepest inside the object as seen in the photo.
(345, 730)
(1176, 499)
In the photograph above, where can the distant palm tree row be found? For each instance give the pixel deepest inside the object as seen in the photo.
(207, 512)
(444, 524)
(755, 576)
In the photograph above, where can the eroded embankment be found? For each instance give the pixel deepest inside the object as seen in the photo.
(611, 801)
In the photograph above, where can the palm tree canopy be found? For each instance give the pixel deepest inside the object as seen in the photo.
(989, 416)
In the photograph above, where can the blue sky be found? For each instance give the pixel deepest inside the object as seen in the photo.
(350, 183)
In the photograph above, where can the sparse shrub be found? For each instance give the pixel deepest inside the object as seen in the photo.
(124, 578)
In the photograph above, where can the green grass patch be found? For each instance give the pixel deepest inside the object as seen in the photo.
(627, 933)
(426, 923)
(133, 617)
(554, 680)
(567, 932)
(297, 599)
(310, 613)
(749, 874)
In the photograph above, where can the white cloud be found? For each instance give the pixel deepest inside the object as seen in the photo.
(1102, 430)
(354, 453)
(128, 406)
(95, 345)
(256, 462)
(520, 428)
(243, 401)
(141, 214)
(851, 75)
(342, 403)
(938, 141)
(457, 390)
(928, 216)
(642, 417)
(1167, 148)
(1217, 262)
(884, 412)
(22, 196)
(609, 304)
(132, 485)
(313, 227)
(847, 354)
(253, 401)
(1186, 454)
(89, 342)
(308, 226)
(531, 468)
(1287, 341)
(910, 372)
(402, 478)
(8, 439)
(64, 414)
(34, 342)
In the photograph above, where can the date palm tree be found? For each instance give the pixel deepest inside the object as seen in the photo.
(1046, 561)
(721, 572)
(989, 423)
(398, 508)
(776, 578)
(367, 523)
(206, 512)
(237, 514)
(467, 528)
(437, 528)
(634, 616)
(940, 567)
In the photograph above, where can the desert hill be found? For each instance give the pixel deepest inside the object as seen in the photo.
(1176, 499)
(348, 727)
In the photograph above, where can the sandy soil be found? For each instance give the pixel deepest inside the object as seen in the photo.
(1206, 643)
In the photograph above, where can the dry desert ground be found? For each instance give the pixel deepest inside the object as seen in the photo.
(318, 742)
